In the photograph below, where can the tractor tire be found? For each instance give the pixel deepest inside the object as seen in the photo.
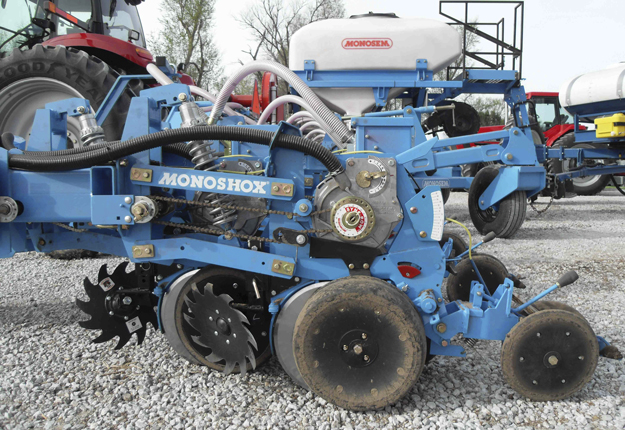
(583, 186)
(31, 78)
(511, 213)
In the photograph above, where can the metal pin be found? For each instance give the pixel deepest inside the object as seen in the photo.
(255, 285)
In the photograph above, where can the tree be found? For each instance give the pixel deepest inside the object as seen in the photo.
(185, 37)
(272, 23)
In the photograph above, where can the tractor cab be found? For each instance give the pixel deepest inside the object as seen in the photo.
(551, 117)
(24, 23)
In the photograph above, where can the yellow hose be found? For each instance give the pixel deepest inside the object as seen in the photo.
(468, 232)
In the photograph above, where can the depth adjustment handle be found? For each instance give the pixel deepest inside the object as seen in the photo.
(567, 279)
(490, 236)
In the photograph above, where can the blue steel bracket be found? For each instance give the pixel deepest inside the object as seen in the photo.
(167, 94)
(531, 179)
(426, 212)
(381, 96)
(110, 210)
(186, 248)
(591, 171)
(50, 134)
(309, 69)
(223, 183)
(113, 95)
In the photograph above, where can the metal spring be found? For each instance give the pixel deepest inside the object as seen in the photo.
(221, 215)
(204, 159)
(470, 342)
(203, 155)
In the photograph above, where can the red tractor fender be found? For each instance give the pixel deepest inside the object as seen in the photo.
(109, 49)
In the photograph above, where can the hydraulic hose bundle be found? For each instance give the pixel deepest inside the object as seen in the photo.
(84, 157)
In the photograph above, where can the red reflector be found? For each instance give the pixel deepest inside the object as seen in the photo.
(409, 271)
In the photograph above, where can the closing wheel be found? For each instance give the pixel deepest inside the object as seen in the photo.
(459, 245)
(504, 220)
(549, 355)
(359, 343)
(543, 305)
(492, 270)
(200, 305)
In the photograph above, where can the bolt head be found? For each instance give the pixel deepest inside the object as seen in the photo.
(409, 111)
(301, 239)
(276, 266)
(509, 156)
(128, 218)
(257, 164)
(444, 343)
(481, 202)
(404, 288)
(179, 266)
(391, 162)
(423, 234)
(400, 216)
(553, 360)
(273, 292)
(147, 251)
(146, 175)
(126, 318)
(303, 207)
(515, 132)
(111, 313)
(345, 347)
(350, 163)
(159, 277)
(479, 293)
(367, 136)
(364, 336)
(182, 97)
(123, 163)
(366, 358)
(264, 334)
(128, 200)
(358, 349)
(365, 266)
(235, 285)
(227, 342)
(413, 210)
(441, 327)
(351, 267)
(275, 188)
(81, 109)
(127, 300)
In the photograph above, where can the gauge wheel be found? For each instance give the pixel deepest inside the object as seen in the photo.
(507, 218)
(359, 343)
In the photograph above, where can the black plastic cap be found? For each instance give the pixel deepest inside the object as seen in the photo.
(568, 278)
(490, 236)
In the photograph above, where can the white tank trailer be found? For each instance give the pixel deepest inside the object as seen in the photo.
(379, 42)
(595, 92)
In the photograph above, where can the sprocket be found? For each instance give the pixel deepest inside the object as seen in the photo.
(118, 306)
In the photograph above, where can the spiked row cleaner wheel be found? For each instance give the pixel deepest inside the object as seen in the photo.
(117, 306)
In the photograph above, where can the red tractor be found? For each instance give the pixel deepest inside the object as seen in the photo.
(53, 50)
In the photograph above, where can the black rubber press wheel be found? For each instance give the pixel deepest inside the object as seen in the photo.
(504, 221)
(359, 343)
(549, 355)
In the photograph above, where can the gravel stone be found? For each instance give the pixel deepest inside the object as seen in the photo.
(52, 377)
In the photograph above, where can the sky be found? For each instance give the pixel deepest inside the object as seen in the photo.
(562, 38)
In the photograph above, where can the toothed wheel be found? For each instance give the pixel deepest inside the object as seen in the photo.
(202, 324)
(117, 307)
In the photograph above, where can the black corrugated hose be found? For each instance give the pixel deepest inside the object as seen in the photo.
(80, 158)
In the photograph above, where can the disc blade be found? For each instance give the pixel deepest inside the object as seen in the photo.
(103, 273)
(105, 336)
(83, 306)
(198, 340)
(123, 340)
(89, 324)
(141, 335)
(121, 269)
(229, 367)
(213, 358)
(243, 368)
(251, 357)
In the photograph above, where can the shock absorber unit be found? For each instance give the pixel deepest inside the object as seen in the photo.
(90, 132)
(204, 157)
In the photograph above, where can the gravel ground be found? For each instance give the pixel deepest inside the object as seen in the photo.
(51, 376)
